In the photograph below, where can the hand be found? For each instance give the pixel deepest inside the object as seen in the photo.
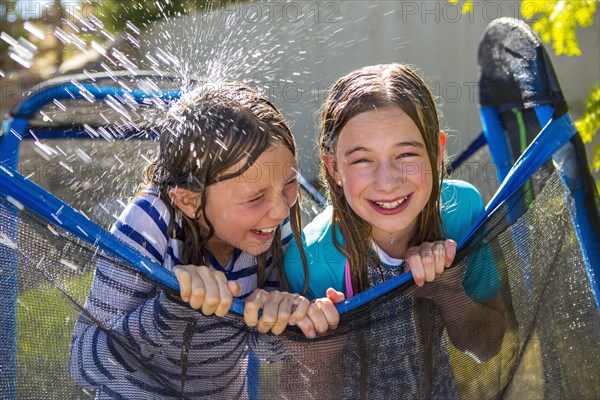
(279, 308)
(429, 260)
(205, 288)
(322, 313)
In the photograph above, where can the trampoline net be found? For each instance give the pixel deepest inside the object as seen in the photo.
(549, 349)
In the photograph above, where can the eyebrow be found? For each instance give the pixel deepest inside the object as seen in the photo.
(262, 190)
(412, 143)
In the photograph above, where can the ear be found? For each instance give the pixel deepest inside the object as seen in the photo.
(329, 161)
(186, 200)
(441, 147)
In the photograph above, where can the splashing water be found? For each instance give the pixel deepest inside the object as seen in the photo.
(22, 50)
(265, 47)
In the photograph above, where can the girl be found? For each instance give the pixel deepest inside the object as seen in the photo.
(382, 153)
(215, 212)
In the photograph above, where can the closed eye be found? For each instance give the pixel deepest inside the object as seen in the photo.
(294, 181)
(360, 161)
(254, 200)
(406, 155)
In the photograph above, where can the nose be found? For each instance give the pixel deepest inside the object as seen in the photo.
(387, 177)
(280, 208)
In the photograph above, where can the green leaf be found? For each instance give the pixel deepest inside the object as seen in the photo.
(557, 21)
(595, 166)
(589, 124)
(467, 7)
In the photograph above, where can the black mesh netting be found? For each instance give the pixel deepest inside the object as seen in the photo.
(549, 350)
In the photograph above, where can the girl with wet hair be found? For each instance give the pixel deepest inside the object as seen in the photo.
(392, 211)
(219, 208)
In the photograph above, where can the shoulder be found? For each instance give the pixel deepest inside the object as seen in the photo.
(460, 196)
(456, 193)
(144, 223)
(461, 206)
(319, 229)
(317, 236)
(286, 232)
(146, 208)
(325, 261)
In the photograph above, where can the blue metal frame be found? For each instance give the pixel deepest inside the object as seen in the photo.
(493, 130)
(475, 145)
(51, 208)
(589, 243)
(68, 92)
(15, 128)
(552, 138)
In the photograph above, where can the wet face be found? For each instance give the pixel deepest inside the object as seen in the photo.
(246, 210)
(382, 164)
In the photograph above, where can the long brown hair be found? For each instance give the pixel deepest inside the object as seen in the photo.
(205, 132)
(368, 88)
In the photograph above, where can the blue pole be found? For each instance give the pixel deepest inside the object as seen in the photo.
(10, 139)
(493, 130)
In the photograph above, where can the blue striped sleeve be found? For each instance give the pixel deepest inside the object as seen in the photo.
(235, 275)
(143, 225)
(140, 240)
(152, 212)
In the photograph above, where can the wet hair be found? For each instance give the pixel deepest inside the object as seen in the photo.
(204, 133)
(367, 89)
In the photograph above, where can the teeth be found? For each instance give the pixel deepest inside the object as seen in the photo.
(266, 230)
(391, 205)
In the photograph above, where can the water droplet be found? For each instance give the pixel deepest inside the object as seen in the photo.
(38, 33)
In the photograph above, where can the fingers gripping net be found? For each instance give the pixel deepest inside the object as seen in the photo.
(526, 255)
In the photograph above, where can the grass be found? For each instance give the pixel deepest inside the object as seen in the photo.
(45, 321)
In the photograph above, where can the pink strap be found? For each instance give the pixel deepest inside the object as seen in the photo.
(348, 278)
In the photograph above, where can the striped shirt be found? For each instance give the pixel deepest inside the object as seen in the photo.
(136, 341)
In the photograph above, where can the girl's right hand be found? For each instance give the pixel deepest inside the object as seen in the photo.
(278, 309)
(207, 289)
(430, 259)
(281, 308)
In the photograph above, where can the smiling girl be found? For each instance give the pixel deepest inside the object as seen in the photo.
(391, 211)
(219, 209)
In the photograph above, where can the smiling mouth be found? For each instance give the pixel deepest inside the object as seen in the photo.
(265, 231)
(390, 205)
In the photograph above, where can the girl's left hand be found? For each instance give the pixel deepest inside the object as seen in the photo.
(430, 259)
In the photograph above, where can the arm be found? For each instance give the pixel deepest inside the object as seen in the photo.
(103, 357)
(124, 319)
(320, 369)
(473, 327)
